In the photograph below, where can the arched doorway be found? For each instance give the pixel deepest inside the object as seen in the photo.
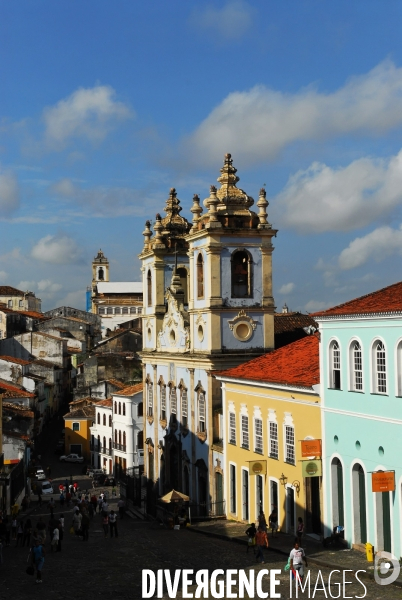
(219, 508)
(383, 521)
(338, 510)
(359, 504)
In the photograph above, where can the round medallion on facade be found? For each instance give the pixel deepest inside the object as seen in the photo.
(242, 331)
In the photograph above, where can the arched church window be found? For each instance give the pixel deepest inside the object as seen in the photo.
(241, 274)
(149, 288)
(200, 276)
(101, 275)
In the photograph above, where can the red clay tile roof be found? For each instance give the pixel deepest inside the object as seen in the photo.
(18, 361)
(284, 322)
(16, 434)
(33, 314)
(386, 300)
(21, 410)
(107, 402)
(296, 364)
(130, 390)
(7, 290)
(85, 412)
(13, 391)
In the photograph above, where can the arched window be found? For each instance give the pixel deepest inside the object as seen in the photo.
(149, 288)
(119, 408)
(110, 420)
(119, 437)
(115, 408)
(334, 366)
(110, 445)
(356, 367)
(115, 436)
(201, 412)
(140, 440)
(200, 276)
(140, 409)
(380, 368)
(104, 444)
(98, 419)
(124, 409)
(100, 274)
(163, 402)
(124, 440)
(99, 446)
(104, 420)
(242, 285)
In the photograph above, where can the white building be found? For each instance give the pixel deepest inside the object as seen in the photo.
(117, 434)
(128, 444)
(102, 436)
(114, 301)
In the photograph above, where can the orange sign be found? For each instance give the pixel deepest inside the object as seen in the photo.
(383, 481)
(311, 448)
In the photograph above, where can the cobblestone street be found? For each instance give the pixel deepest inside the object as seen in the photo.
(111, 568)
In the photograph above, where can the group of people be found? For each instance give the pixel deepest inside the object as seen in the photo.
(258, 540)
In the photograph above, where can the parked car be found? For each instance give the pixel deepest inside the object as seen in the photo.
(73, 458)
(95, 472)
(47, 487)
(40, 474)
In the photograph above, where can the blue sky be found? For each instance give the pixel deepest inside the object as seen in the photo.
(106, 105)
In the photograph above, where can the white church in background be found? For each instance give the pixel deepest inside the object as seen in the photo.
(114, 301)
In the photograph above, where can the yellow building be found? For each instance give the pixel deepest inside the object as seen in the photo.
(77, 425)
(270, 405)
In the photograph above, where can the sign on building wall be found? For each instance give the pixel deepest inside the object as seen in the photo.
(311, 468)
(258, 467)
(311, 448)
(383, 481)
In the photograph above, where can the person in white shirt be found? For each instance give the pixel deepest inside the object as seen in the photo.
(113, 524)
(297, 557)
(55, 539)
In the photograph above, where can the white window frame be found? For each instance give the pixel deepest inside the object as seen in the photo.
(184, 407)
(334, 364)
(258, 436)
(233, 497)
(244, 431)
(379, 363)
(150, 399)
(273, 439)
(75, 423)
(163, 402)
(356, 373)
(232, 427)
(173, 401)
(201, 412)
(290, 448)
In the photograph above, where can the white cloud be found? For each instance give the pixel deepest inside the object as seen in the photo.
(57, 249)
(88, 113)
(26, 285)
(228, 23)
(325, 199)
(3, 276)
(64, 187)
(287, 288)
(45, 285)
(9, 193)
(74, 299)
(315, 305)
(377, 245)
(258, 124)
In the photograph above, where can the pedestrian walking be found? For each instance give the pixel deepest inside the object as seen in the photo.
(100, 502)
(105, 524)
(41, 529)
(62, 499)
(61, 521)
(113, 524)
(297, 556)
(27, 533)
(55, 539)
(273, 521)
(300, 530)
(38, 559)
(261, 541)
(262, 522)
(251, 533)
(77, 520)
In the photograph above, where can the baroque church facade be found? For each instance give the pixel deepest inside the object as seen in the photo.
(208, 306)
